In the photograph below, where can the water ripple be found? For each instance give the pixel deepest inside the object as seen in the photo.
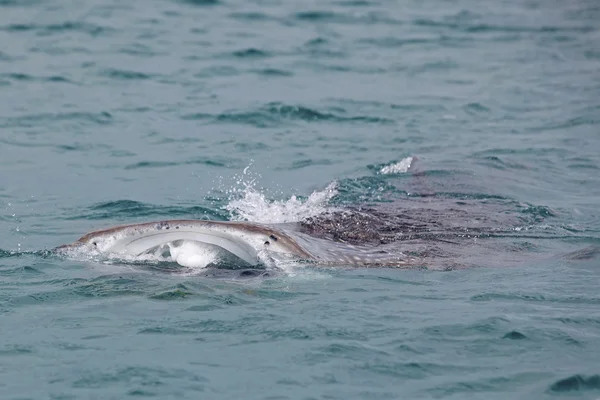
(46, 30)
(576, 383)
(273, 114)
(17, 76)
(28, 121)
(143, 376)
(124, 74)
(251, 53)
(125, 209)
(212, 162)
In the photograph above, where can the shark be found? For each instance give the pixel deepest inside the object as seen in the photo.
(432, 226)
(428, 232)
(251, 244)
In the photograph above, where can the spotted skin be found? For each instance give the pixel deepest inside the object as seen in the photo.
(273, 241)
(429, 231)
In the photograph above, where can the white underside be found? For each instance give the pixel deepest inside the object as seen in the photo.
(190, 252)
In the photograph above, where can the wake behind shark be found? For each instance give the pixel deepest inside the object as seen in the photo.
(193, 243)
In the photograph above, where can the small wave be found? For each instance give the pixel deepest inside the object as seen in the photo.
(400, 167)
(514, 335)
(211, 162)
(251, 53)
(9, 253)
(16, 3)
(318, 16)
(125, 74)
(250, 16)
(469, 388)
(28, 121)
(69, 26)
(321, 16)
(392, 42)
(475, 27)
(138, 49)
(307, 114)
(535, 298)
(355, 3)
(576, 383)
(128, 209)
(201, 3)
(18, 76)
(274, 72)
(21, 253)
(273, 114)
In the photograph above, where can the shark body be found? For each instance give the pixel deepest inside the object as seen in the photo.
(252, 243)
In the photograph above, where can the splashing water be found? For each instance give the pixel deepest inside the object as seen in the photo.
(254, 205)
(400, 167)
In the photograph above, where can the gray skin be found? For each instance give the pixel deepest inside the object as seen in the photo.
(253, 243)
(244, 240)
(431, 232)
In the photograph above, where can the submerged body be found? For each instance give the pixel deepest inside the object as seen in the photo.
(436, 233)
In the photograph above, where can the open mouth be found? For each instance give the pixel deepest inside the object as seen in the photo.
(197, 254)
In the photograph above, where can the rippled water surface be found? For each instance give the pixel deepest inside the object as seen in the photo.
(120, 112)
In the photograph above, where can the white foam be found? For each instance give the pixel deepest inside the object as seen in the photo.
(254, 206)
(401, 167)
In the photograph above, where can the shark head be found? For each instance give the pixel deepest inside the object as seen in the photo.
(252, 243)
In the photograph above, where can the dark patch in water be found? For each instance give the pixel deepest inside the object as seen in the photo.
(176, 294)
(250, 16)
(316, 16)
(15, 351)
(273, 72)
(212, 162)
(124, 74)
(251, 53)
(201, 2)
(164, 331)
(44, 30)
(141, 393)
(576, 383)
(588, 253)
(356, 3)
(34, 120)
(514, 335)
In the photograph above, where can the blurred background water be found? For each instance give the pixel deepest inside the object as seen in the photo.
(114, 112)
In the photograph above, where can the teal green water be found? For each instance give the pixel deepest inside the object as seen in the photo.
(119, 112)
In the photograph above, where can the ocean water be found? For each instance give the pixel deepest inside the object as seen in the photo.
(121, 112)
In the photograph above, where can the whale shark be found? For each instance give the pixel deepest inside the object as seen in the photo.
(437, 232)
